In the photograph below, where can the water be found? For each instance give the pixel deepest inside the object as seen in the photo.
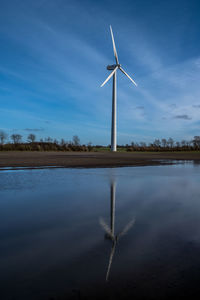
(117, 233)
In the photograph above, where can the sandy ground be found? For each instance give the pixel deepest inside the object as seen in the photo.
(92, 159)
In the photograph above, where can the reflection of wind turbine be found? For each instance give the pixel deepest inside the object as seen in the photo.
(114, 69)
(110, 231)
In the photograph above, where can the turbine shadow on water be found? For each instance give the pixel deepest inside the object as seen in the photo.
(110, 231)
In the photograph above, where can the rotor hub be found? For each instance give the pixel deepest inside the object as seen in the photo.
(112, 67)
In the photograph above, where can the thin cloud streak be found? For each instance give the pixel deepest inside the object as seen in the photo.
(34, 129)
(183, 117)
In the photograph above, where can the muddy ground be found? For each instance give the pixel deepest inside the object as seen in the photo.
(92, 159)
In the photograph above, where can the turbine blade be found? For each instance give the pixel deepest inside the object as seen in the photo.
(111, 74)
(110, 260)
(114, 48)
(126, 228)
(105, 227)
(127, 76)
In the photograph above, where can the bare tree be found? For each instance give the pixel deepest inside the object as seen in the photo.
(3, 136)
(183, 143)
(196, 141)
(49, 139)
(76, 140)
(170, 142)
(157, 143)
(16, 138)
(143, 144)
(62, 142)
(164, 143)
(31, 138)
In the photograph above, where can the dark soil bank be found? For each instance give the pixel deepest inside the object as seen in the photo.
(92, 159)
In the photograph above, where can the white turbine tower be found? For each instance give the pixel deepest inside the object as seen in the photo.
(114, 69)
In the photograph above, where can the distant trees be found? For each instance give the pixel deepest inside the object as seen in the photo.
(76, 140)
(55, 141)
(31, 138)
(183, 143)
(157, 143)
(16, 138)
(164, 143)
(62, 142)
(49, 139)
(170, 142)
(51, 144)
(196, 141)
(3, 136)
(143, 144)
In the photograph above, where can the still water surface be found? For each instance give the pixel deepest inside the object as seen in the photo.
(118, 233)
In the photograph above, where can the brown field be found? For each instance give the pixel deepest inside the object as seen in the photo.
(92, 159)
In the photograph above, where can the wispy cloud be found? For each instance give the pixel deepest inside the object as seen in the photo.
(140, 107)
(183, 117)
(34, 129)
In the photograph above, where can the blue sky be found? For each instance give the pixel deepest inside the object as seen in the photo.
(53, 60)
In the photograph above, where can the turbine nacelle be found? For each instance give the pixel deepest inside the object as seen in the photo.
(112, 67)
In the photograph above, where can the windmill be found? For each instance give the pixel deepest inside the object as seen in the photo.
(114, 69)
(110, 231)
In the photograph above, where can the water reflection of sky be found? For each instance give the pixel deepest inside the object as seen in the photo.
(51, 242)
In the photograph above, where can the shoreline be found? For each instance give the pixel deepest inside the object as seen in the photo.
(33, 160)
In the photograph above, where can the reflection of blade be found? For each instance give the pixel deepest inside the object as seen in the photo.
(105, 227)
(126, 228)
(110, 260)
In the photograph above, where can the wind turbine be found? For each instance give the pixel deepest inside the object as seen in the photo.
(110, 231)
(114, 69)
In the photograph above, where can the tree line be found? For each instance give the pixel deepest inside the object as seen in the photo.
(31, 138)
(15, 142)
